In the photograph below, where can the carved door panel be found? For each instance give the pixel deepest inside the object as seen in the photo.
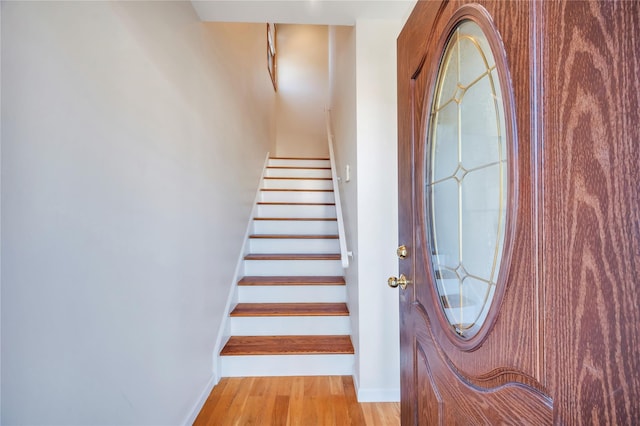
(520, 212)
(471, 315)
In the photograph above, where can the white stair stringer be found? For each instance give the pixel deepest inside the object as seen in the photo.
(295, 216)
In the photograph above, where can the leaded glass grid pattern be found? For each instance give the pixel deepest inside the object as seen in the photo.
(467, 179)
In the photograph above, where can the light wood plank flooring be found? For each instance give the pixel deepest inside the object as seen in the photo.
(292, 401)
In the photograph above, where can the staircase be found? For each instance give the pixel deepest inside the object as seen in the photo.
(291, 317)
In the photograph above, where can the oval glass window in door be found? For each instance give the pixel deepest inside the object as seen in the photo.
(466, 180)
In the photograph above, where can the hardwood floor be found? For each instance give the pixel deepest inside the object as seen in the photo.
(293, 401)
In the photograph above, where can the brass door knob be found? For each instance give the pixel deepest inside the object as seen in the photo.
(402, 281)
(402, 252)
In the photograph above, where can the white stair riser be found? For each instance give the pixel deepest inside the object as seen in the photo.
(293, 267)
(301, 227)
(297, 196)
(297, 184)
(292, 245)
(298, 163)
(309, 211)
(282, 326)
(307, 173)
(293, 294)
(287, 365)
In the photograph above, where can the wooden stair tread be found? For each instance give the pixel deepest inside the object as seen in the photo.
(299, 167)
(295, 218)
(295, 237)
(289, 309)
(295, 178)
(299, 158)
(291, 280)
(277, 203)
(293, 256)
(287, 345)
(294, 190)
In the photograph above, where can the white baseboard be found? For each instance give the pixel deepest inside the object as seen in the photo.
(378, 395)
(200, 403)
(375, 395)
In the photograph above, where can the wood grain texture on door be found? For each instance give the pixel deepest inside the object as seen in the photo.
(564, 347)
(592, 209)
(503, 377)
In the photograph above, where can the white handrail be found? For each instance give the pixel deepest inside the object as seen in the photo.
(344, 254)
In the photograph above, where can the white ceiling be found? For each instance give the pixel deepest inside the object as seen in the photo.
(324, 12)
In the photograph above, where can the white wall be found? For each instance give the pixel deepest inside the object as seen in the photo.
(0, 218)
(366, 58)
(132, 141)
(378, 201)
(303, 87)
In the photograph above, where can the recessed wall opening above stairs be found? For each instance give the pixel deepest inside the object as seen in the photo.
(291, 317)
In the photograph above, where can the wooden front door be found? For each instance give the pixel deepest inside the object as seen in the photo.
(559, 341)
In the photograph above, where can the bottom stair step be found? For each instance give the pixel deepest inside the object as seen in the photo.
(286, 365)
(287, 345)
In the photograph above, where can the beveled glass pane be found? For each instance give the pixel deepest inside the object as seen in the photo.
(450, 82)
(449, 289)
(453, 302)
(472, 62)
(479, 126)
(480, 221)
(473, 32)
(467, 183)
(445, 222)
(476, 293)
(496, 88)
(476, 58)
(446, 142)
